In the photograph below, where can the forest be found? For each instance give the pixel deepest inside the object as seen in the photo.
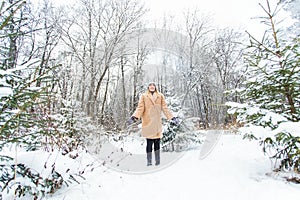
(69, 74)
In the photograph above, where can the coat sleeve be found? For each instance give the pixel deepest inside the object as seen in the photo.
(140, 108)
(165, 108)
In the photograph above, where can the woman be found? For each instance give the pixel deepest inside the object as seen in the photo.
(149, 108)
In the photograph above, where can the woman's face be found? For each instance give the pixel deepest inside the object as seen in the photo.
(151, 88)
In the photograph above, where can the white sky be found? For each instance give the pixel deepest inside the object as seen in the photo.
(241, 14)
(225, 13)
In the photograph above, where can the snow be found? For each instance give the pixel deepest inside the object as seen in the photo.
(268, 116)
(5, 91)
(289, 127)
(256, 131)
(234, 169)
(274, 118)
(235, 105)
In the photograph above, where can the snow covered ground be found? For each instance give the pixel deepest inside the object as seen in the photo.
(235, 169)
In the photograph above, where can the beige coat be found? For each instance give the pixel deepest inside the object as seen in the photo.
(150, 108)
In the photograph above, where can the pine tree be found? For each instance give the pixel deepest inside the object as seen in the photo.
(23, 106)
(271, 93)
(178, 137)
(27, 120)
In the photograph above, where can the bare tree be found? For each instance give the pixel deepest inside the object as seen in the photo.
(95, 36)
(129, 78)
(13, 14)
(137, 65)
(197, 27)
(226, 53)
(48, 37)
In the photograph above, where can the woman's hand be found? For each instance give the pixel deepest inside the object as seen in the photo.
(132, 120)
(175, 121)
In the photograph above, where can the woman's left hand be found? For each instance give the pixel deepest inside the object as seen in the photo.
(175, 121)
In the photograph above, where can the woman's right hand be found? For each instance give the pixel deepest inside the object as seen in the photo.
(131, 120)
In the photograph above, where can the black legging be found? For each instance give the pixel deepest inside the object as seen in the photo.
(150, 143)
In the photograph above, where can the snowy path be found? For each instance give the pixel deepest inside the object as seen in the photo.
(235, 170)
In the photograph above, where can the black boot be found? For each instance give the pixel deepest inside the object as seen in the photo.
(157, 157)
(149, 159)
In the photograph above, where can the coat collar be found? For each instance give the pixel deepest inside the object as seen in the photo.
(153, 97)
